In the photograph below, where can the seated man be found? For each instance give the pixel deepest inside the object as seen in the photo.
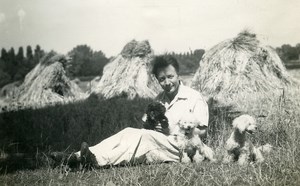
(151, 146)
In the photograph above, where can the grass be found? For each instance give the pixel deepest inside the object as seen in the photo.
(280, 128)
(277, 170)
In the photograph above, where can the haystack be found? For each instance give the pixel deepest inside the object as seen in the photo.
(128, 75)
(47, 84)
(242, 73)
(9, 91)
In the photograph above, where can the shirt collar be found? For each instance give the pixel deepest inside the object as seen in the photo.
(181, 94)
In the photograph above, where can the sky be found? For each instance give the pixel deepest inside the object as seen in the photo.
(169, 25)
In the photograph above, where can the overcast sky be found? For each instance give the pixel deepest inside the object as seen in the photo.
(169, 25)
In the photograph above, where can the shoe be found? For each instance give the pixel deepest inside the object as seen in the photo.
(62, 158)
(73, 160)
(88, 159)
(58, 158)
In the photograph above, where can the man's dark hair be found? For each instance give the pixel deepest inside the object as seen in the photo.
(163, 61)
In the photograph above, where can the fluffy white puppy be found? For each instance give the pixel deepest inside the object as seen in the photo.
(191, 146)
(238, 147)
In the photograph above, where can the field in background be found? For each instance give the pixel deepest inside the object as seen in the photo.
(295, 73)
(86, 85)
(186, 79)
(95, 120)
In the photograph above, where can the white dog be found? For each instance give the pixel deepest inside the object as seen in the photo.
(238, 147)
(189, 142)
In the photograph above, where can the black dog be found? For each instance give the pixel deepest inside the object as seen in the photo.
(156, 118)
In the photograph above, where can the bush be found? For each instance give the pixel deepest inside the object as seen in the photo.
(4, 78)
(66, 126)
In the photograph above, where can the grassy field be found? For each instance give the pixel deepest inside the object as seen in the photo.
(278, 171)
(295, 73)
(281, 128)
(281, 168)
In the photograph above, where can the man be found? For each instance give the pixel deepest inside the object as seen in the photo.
(149, 146)
(177, 98)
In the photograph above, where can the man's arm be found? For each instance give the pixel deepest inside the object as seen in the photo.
(201, 112)
(202, 115)
(203, 133)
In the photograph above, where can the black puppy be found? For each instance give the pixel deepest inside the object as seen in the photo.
(156, 118)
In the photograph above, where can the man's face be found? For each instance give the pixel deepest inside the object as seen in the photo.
(168, 79)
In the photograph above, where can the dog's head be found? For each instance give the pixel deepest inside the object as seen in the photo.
(187, 124)
(156, 114)
(245, 123)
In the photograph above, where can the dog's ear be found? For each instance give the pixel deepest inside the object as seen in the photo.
(240, 123)
(235, 123)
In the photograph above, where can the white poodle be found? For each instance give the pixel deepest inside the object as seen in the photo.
(191, 146)
(238, 147)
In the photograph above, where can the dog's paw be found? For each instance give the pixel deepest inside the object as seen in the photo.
(208, 153)
(185, 158)
(228, 158)
(243, 160)
(198, 158)
(213, 159)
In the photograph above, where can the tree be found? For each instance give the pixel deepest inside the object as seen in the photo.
(38, 54)
(298, 50)
(29, 57)
(85, 62)
(11, 63)
(22, 68)
(199, 53)
(3, 60)
(80, 54)
(20, 56)
(11, 54)
(4, 54)
(99, 61)
(188, 61)
(29, 54)
(289, 52)
(4, 77)
(2, 65)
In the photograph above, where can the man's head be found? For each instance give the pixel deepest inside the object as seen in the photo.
(165, 68)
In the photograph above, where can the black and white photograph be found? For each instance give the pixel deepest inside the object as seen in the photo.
(150, 92)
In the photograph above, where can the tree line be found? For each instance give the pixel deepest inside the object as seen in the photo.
(83, 62)
(289, 53)
(86, 62)
(188, 61)
(14, 66)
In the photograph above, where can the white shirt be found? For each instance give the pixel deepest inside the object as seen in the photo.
(186, 100)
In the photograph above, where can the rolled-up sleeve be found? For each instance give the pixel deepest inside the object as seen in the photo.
(201, 112)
